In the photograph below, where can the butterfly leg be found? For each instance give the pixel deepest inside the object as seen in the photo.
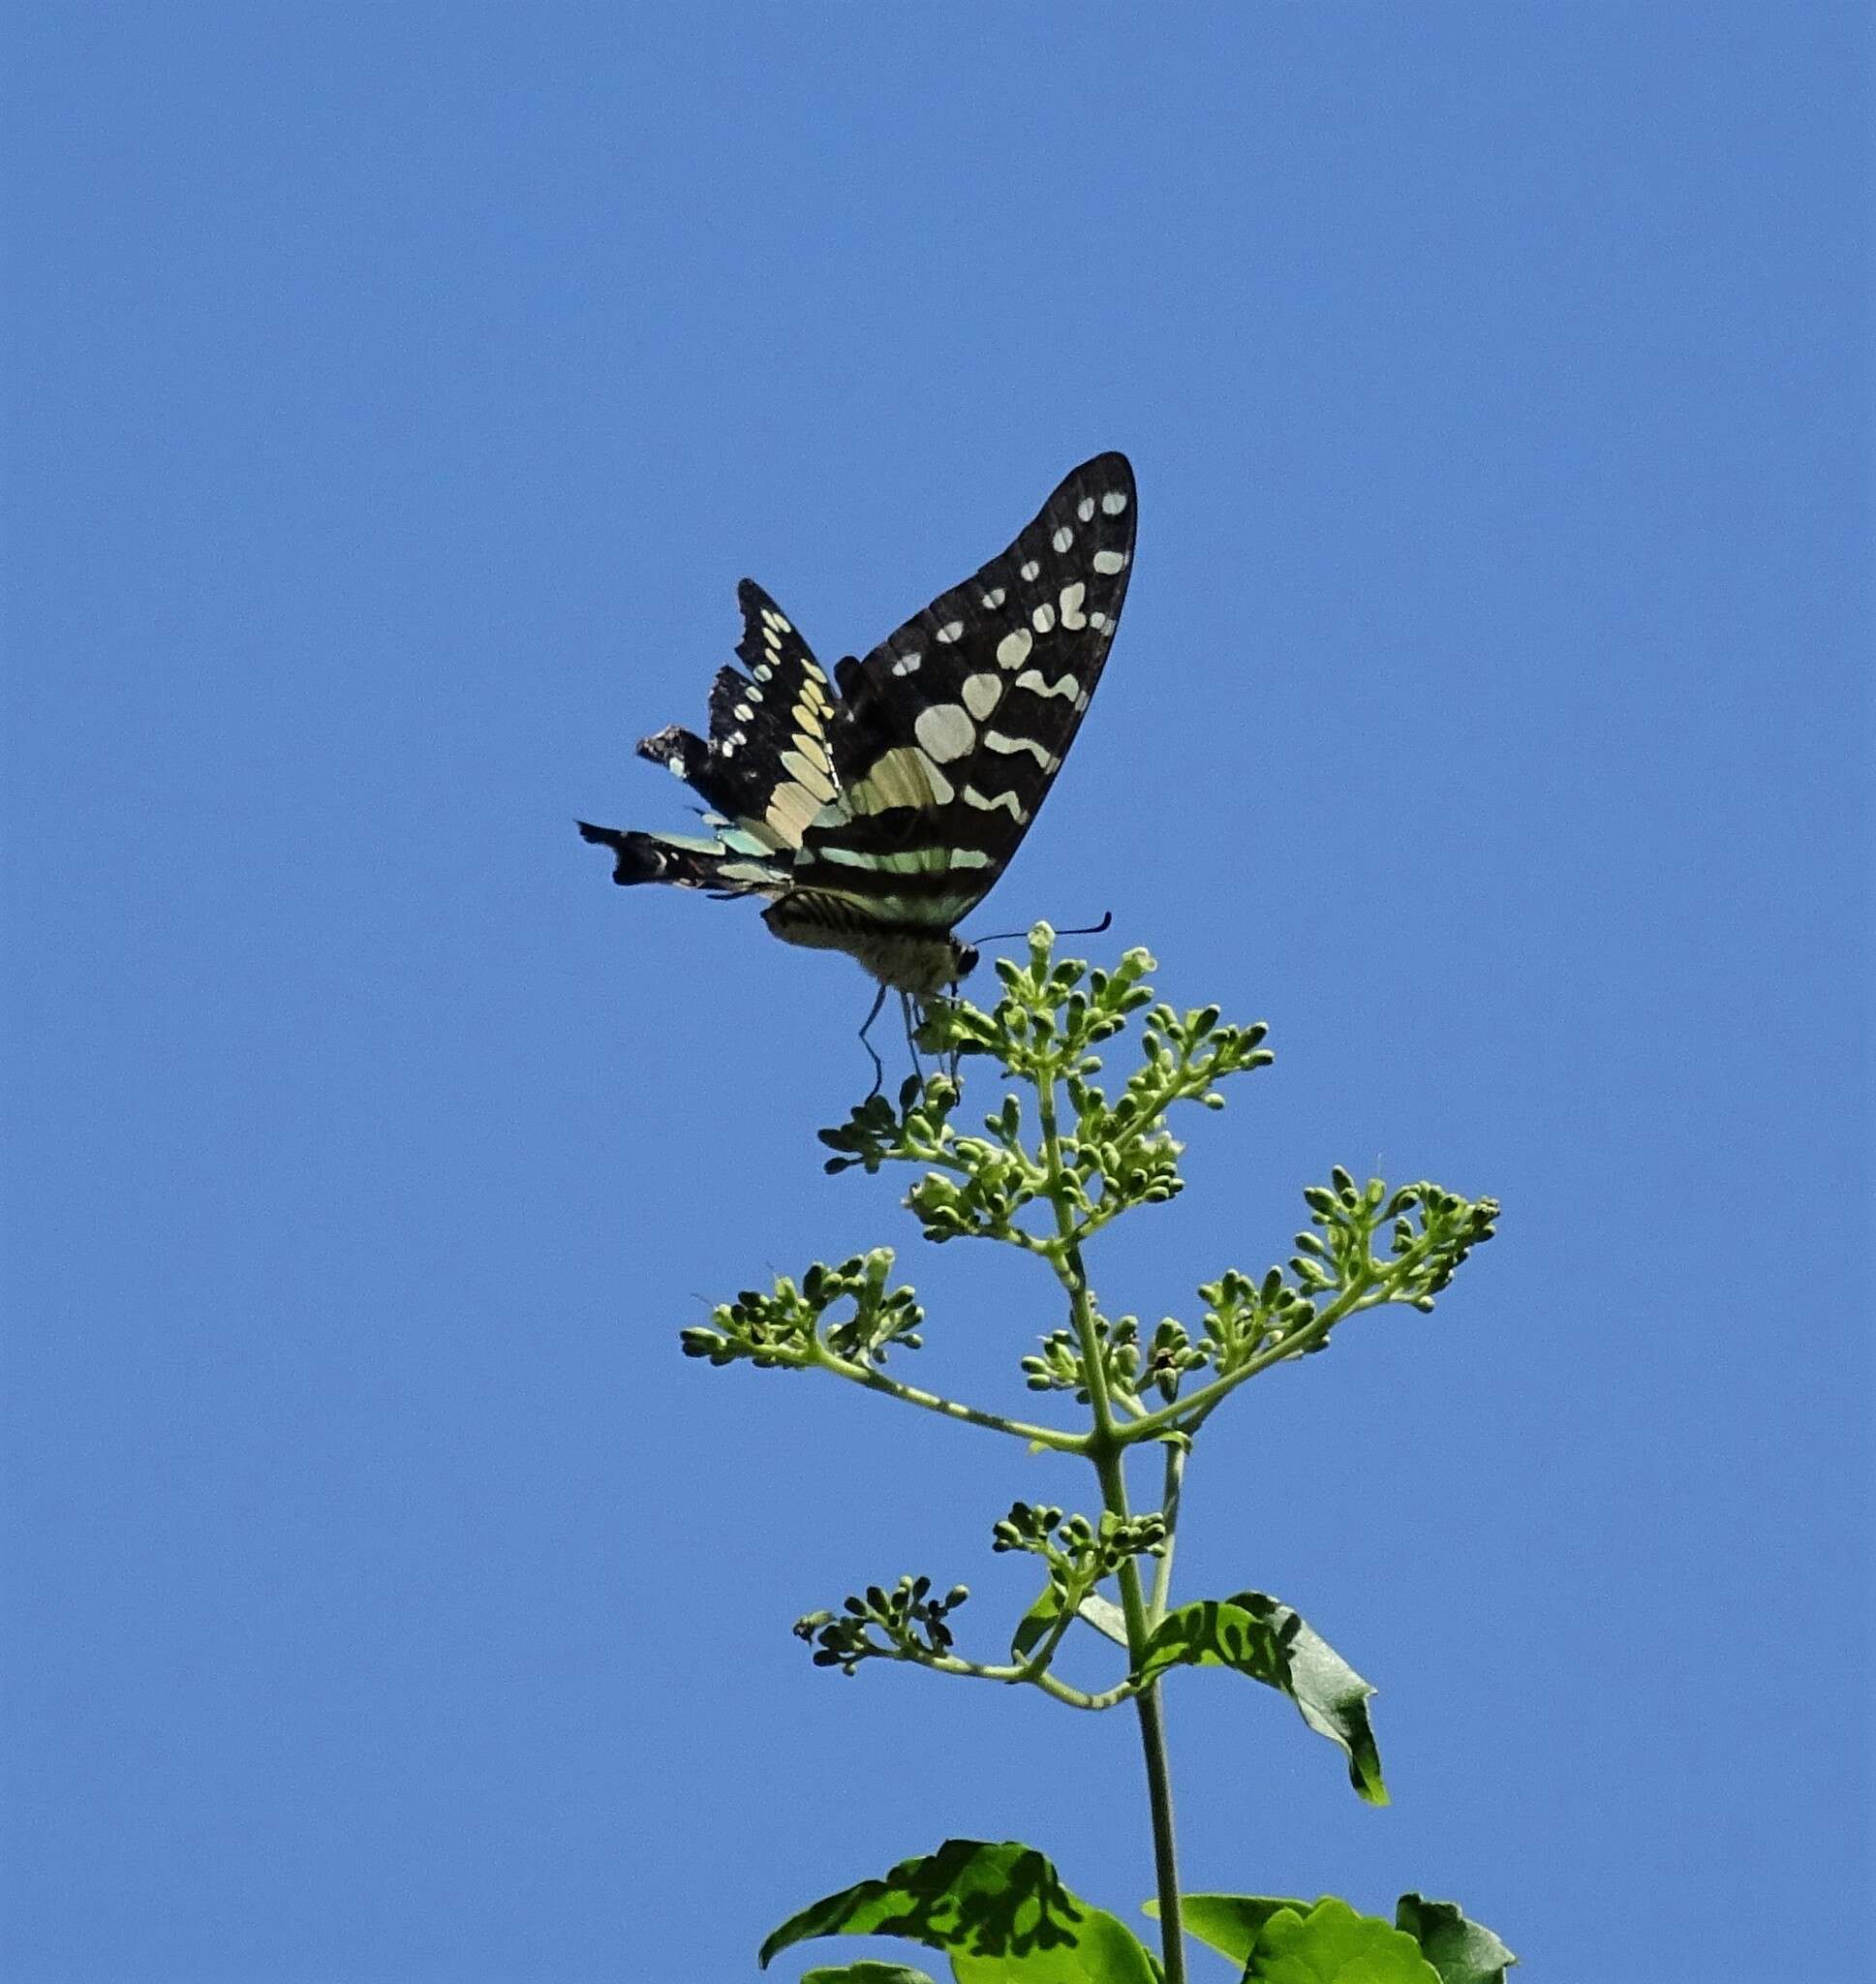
(909, 1011)
(953, 993)
(878, 1065)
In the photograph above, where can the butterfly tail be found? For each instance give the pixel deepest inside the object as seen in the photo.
(684, 862)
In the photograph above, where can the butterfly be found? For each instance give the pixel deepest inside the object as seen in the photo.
(877, 811)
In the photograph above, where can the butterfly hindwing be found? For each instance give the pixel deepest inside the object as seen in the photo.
(765, 767)
(781, 714)
(951, 730)
(726, 865)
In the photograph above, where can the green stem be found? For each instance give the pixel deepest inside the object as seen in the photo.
(1105, 1448)
(1186, 1414)
(1171, 1489)
(1008, 1676)
(949, 1409)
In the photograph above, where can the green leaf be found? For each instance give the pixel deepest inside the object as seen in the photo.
(1230, 1923)
(1104, 1616)
(866, 1972)
(1037, 1622)
(1281, 1942)
(1000, 1911)
(1332, 1944)
(1258, 1635)
(1462, 1952)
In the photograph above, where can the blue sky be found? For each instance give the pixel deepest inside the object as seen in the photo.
(396, 395)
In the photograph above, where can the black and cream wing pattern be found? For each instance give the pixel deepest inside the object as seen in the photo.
(877, 811)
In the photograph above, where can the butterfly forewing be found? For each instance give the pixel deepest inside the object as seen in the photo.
(952, 730)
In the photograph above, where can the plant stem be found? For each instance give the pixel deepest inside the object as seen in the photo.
(1165, 1861)
(949, 1409)
(1171, 1490)
(1107, 1452)
(1190, 1412)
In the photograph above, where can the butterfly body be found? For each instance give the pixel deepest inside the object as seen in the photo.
(904, 956)
(875, 817)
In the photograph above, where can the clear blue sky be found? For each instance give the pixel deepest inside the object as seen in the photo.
(396, 395)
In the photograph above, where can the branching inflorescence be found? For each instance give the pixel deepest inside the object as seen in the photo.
(1059, 1160)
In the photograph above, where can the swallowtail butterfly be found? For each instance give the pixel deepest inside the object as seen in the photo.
(874, 820)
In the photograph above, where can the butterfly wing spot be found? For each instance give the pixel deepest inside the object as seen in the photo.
(945, 731)
(950, 631)
(1107, 563)
(1062, 538)
(1085, 509)
(1013, 650)
(982, 694)
(1043, 618)
(914, 861)
(902, 777)
(790, 812)
(907, 665)
(1010, 747)
(809, 776)
(1037, 684)
(993, 598)
(990, 802)
(1073, 620)
(1030, 572)
(1114, 501)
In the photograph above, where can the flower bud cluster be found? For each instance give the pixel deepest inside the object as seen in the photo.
(1431, 1232)
(788, 1327)
(904, 1624)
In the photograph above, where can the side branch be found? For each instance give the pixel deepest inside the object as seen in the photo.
(1186, 1414)
(949, 1409)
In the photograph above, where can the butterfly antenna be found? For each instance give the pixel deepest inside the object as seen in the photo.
(878, 1065)
(1086, 930)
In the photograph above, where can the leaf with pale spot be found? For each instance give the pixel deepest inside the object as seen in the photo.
(1105, 1617)
(1259, 1636)
(1461, 1951)
(998, 1911)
